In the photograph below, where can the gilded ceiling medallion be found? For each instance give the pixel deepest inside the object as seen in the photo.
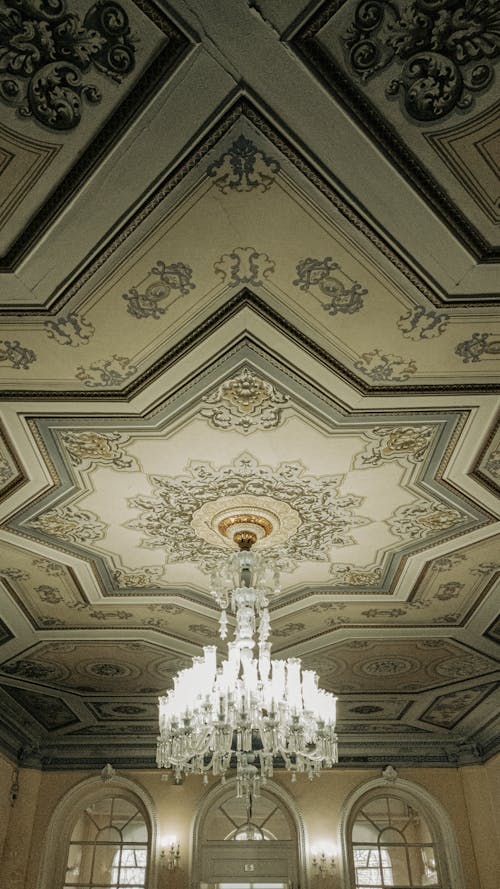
(272, 521)
(262, 525)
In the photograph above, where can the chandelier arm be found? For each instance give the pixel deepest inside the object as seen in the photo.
(213, 714)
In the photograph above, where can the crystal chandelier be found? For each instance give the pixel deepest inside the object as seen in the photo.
(250, 711)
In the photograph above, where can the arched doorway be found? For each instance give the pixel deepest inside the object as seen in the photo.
(254, 844)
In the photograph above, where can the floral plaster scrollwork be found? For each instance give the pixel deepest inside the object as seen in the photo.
(382, 368)
(143, 578)
(45, 51)
(86, 449)
(355, 576)
(417, 324)
(244, 265)
(448, 562)
(327, 516)
(16, 356)
(344, 295)
(492, 464)
(8, 469)
(290, 629)
(166, 279)
(408, 443)
(419, 520)
(107, 373)
(445, 50)
(244, 403)
(70, 330)
(449, 709)
(243, 167)
(53, 569)
(71, 524)
(471, 351)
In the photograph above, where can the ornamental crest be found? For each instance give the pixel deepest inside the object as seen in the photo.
(444, 50)
(344, 295)
(244, 403)
(243, 167)
(166, 279)
(45, 51)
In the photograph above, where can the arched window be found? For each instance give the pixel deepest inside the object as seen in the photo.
(395, 833)
(108, 847)
(261, 840)
(392, 845)
(102, 835)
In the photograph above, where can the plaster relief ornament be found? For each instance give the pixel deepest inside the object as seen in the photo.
(165, 281)
(88, 448)
(244, 265)
(71, 524)
(46, 52)
(70, 330)
(243, 167)
(313, 506)
(244, 403)
(404, 443)
(442, 51)
(345, 296)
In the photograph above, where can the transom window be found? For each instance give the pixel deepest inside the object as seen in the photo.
(108, 848)
(392, 846)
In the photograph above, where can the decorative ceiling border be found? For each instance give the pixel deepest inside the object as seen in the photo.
(244, 299)
(160, 69)
(245, 105)
(301, 38)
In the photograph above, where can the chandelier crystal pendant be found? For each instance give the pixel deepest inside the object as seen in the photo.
(250, 711)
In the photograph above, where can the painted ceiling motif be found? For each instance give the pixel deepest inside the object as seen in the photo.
(219, 292)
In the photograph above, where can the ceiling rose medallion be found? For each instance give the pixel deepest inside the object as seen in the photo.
(273, 521)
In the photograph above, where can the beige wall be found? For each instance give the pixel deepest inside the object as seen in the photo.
(467, 794)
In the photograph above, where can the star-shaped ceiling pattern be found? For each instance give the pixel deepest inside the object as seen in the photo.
(260, 280)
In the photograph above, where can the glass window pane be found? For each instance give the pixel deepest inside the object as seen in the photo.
(104, 858)
(368, 876)
(399, 864)
(85, 829)
(423, 866)
(74, 863)
(109, 835)
(123, 811)
(135, 830)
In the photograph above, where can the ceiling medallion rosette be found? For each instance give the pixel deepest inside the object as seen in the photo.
(182, 514)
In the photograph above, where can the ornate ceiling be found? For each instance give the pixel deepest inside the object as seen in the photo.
(250, 259)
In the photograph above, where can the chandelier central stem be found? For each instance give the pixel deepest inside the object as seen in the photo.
(249, 709)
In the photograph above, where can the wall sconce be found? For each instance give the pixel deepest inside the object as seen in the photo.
(170, 852)
(323, 860)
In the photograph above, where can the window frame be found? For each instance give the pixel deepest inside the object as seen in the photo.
(446, 848)
(66, 813)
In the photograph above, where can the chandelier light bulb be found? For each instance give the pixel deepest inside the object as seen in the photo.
(250, 711)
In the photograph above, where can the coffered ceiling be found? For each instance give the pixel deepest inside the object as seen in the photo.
(250, 259)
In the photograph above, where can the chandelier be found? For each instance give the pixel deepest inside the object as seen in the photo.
(249, 711)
